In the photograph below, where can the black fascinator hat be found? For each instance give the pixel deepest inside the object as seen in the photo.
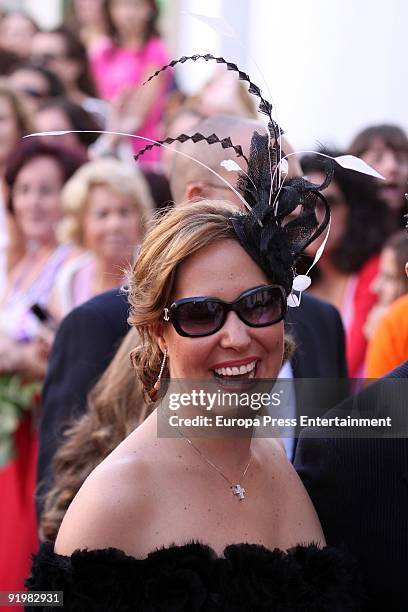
(281, 219)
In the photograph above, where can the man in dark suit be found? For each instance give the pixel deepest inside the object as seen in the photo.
(359, 487)
(84, 345)
(88, 336)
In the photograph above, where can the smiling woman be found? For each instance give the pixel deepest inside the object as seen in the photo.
(223, 341)
(35, 175)
(192, 522)
(107, 205)
(202, 499)
(14, 123)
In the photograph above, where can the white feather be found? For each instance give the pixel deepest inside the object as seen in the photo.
(350, 162)
(301, 282)
(293, 300)
(230, 165)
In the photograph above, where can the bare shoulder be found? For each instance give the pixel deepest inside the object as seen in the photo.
(105, 507)
(297, 515)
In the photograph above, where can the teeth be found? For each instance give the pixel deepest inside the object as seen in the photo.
(237, 371)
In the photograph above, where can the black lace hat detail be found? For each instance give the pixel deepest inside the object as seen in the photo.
(264, 106)
(263, 233)
(276, 246)
(226, 143)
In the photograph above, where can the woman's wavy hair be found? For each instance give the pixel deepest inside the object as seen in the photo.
(180, 232)
(368, 223)
(76, 50)
(115, 408)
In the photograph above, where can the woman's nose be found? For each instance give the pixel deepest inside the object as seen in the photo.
(114, 221)
(234, 333)
(33, 200)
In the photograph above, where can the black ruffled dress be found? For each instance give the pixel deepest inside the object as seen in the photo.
(191, 578)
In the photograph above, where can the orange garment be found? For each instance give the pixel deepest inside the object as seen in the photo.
(389, 344)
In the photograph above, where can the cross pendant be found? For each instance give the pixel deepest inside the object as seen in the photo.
(238, 491)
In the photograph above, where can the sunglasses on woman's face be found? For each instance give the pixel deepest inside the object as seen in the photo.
(202, 316)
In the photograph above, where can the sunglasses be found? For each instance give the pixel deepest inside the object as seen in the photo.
(202, 316)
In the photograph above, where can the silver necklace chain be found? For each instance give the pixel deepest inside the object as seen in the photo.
(236, 488)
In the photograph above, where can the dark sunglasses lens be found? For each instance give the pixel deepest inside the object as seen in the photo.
(262, 307)
(199, 318)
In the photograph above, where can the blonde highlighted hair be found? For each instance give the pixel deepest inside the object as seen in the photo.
(122, 178)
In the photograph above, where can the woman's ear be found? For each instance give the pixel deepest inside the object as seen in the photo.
(157, 330)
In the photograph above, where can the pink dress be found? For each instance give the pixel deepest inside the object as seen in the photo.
(115, 68)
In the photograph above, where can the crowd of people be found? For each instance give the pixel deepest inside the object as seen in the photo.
(87, 233)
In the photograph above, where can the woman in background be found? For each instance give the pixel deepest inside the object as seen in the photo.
(388, 346)
(391, 281)
(88, 18)
(35, 83)
(122, 62)
(60, 114)
(385, 148)
(344, 274)
(61, 51)
(106, 206)
(14, 124)
(17, 30)
(34, 177)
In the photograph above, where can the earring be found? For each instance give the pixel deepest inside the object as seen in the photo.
(153, 392)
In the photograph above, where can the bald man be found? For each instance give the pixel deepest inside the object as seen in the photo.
(191, 179)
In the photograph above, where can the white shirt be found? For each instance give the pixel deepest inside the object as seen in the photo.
(286, 372)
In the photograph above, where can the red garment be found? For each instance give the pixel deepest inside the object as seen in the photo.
(18, 526)
(363, 301)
